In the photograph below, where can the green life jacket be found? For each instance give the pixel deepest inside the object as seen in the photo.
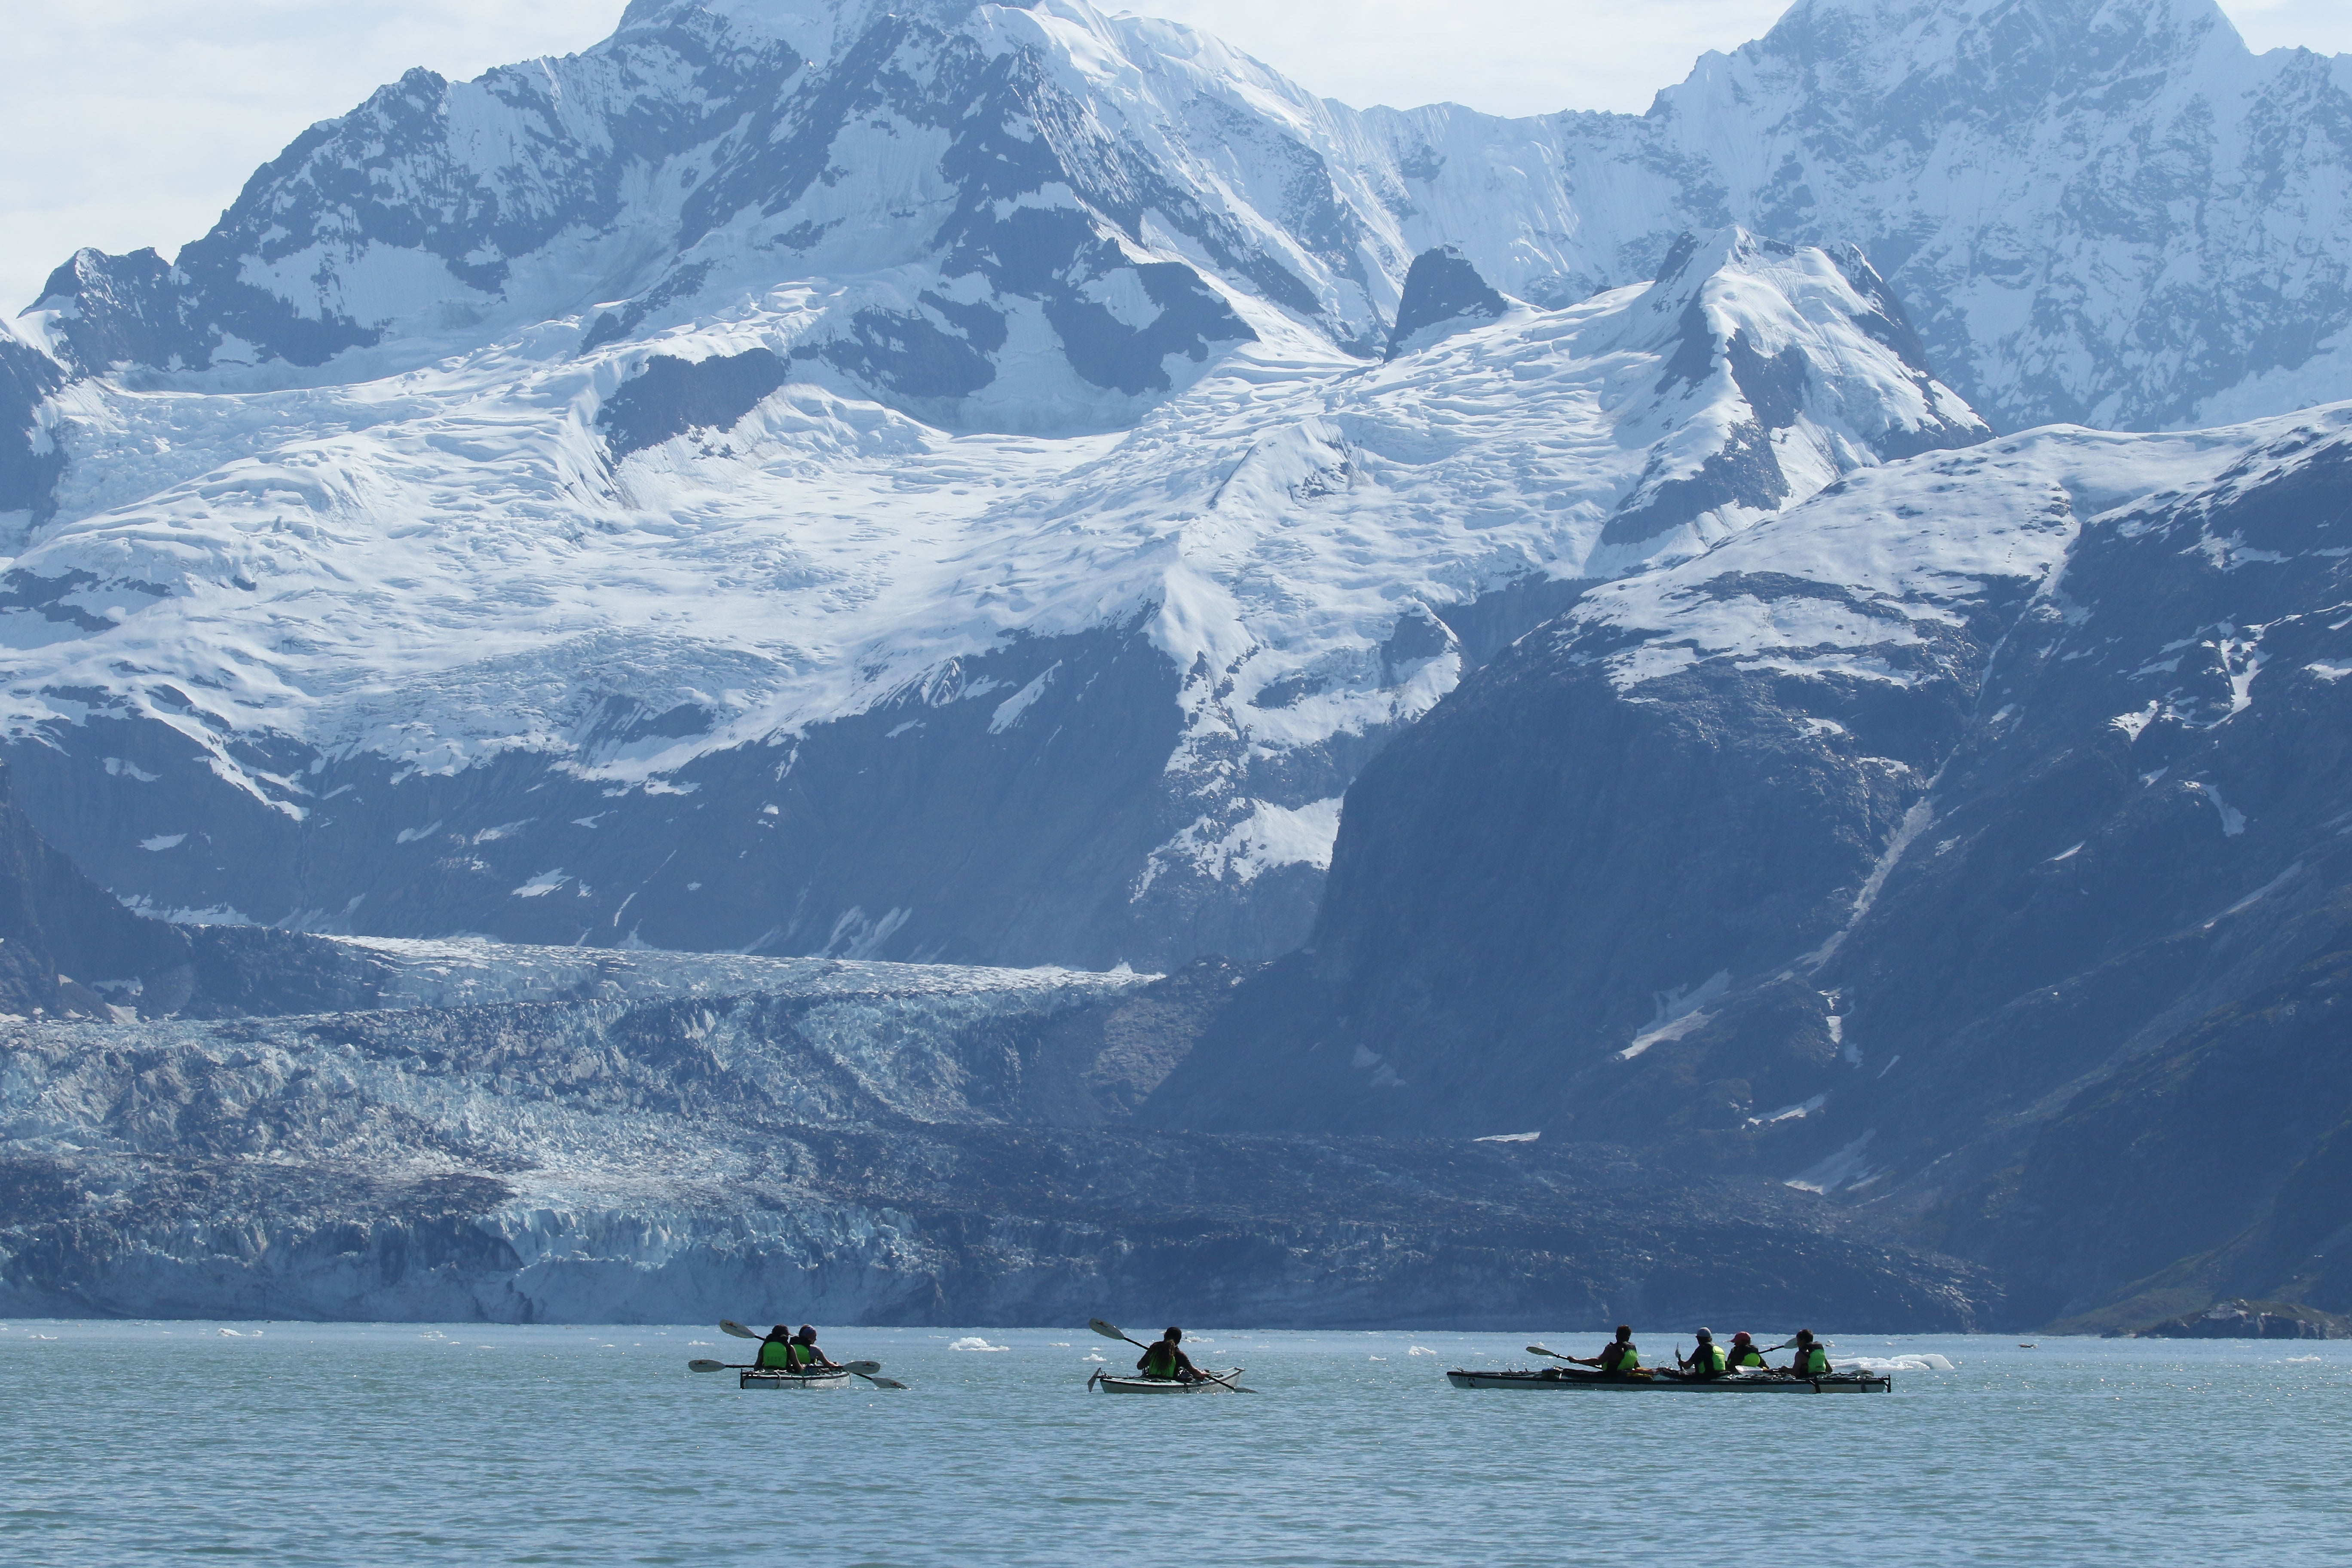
(1707, 1358)
(1813, 1361)
(776, 1353)
(804, 1355)
(1620, 1358)
(1160, 1360)
(1748, 1357)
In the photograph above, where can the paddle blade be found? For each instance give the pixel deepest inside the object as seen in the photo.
(1108, 1330)
(1539, 1349)
(698, 1364)
(884, 1382)
(729, 1326)
(861, 1367)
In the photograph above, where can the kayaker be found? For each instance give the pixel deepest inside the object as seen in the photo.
(1620, 1355)
(804, 1352)
(776, 1349)
(1706, 1360)
(1812, 1360)
(1744, 1354)
(1166, 1359)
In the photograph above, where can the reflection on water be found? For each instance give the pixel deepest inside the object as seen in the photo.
(397, 1444)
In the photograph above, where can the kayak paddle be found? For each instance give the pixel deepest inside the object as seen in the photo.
(1112, 1332)
(729, 1326)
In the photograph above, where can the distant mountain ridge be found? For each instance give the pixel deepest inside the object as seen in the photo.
(2100, 213)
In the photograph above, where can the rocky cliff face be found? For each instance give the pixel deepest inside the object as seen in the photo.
(1897, 848)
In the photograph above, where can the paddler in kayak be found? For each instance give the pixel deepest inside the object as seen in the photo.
(1706, 1359)
(806, 1357)
(1744, 1354)
(776, 1350)
(1812, 1360)
(1618, 1356)
(1167, 1361)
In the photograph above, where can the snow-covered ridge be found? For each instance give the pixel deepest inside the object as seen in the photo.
(2112, 213)
(441, 566)
(1886, 555)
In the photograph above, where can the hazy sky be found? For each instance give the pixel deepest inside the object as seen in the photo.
(133, 122)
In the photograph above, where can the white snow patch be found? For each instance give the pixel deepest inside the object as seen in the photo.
(411, 835)
(1008, 713)
(1678, 1012)
(539, 886)
(1839, 1169)
(116, 767)
(2233, 821)
(164, 841)
(1502, 1137)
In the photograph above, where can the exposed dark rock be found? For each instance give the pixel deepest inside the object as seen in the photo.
(1442, 289)
(671, 396)
(60, 932)
(30, 461)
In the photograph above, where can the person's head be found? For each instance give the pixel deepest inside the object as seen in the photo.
(1804, 1336)
(807, 1335)
(1741, 1338)
(1174, 1336)
(1625, 1332)
(1706, 1336)
(780, 1333)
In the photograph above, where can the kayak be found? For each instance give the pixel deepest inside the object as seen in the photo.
(753, 1377)
(1122, 1382)
(1730, 1383)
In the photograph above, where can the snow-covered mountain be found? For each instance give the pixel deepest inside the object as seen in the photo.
(656, 643)
(974, 481)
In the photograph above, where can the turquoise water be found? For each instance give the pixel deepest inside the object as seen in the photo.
(397, 1444)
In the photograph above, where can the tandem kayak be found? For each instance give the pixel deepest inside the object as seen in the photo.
(754, 1377)
(1122, 1383)
(1730, 1383)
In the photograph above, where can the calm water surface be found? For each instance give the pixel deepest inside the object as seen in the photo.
(295, 1443)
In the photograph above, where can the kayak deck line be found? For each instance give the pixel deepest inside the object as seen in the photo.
(753, 1377)
(1551, 1378)
(1123, 1382)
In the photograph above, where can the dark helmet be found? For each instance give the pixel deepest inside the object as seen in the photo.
(1804, 1336)
(1706, 1336)
(780, 1331)
(807, 1334)
(1174, 1335)
(1741, 1338)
